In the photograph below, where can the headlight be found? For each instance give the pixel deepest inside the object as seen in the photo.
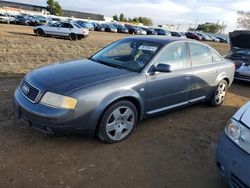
(58, 101)
(239, 134)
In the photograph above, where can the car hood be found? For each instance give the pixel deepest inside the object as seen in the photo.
(243, 114)
(64, 77)
(238, 40)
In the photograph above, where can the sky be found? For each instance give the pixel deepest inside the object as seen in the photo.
(183, 12)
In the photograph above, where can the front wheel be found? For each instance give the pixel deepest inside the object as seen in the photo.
(72, 36)
(219, 94)
(117, 122)
(40, 32)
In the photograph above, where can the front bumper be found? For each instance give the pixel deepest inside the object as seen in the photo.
(233, 164)
(47, 119)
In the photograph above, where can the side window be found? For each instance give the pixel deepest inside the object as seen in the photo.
(174, 55)
(57, 24)
(215, 57)
(66, 25)
(200, 54)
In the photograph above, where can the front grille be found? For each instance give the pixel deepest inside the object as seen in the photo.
(237, 183)
(29, 91)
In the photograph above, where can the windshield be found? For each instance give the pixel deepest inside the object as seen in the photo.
(128, 54)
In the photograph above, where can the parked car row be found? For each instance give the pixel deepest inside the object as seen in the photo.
(206, 37)
(22, 19)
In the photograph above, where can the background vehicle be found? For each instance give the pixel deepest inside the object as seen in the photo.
(132, 29)
(233, 151)
(141, 31)
(86, 25)
(192, 35)
(222, 40)
(204, 36)
(4, 18)
(149, 31)
(177, 34)
(100, 27)
(21, 20)
(161, 31)
(127, 81)
(214, 38)
(240, 54)
(121, 28)
(63, 29)
(110, 28)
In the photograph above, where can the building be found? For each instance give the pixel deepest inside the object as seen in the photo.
(14, 7)
(82, 15)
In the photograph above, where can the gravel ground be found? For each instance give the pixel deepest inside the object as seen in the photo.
(170, 151)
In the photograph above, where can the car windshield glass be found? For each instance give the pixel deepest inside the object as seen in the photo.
(131, 54)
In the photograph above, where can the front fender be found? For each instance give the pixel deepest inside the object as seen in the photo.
(115, 96)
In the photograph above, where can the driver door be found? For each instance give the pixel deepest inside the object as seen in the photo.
(166, 90)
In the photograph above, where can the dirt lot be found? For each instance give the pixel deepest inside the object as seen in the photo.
(172, 150)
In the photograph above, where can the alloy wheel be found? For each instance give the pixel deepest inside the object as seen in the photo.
(120, 123)
(220, 93)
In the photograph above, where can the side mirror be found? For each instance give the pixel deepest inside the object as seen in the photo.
(163, 68)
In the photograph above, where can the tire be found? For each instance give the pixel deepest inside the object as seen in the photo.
(219, 95)
(72, 36)
(117, 122)
(40, 32)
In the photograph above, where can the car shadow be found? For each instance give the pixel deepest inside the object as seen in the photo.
(19, 33)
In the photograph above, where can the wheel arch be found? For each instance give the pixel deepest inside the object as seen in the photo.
(223, 76)
(131, 98)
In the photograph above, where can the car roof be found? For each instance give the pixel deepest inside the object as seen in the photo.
(159, 39)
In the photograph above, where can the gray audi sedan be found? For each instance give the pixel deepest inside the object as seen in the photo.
(127, 81)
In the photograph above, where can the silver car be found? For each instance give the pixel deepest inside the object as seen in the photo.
(73, 31)
(127, 81)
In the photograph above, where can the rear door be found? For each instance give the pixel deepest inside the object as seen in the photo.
(169, 90)
(205, 64)
(65, 29)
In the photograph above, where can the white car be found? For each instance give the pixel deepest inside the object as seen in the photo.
(4, 18)
(72, 31)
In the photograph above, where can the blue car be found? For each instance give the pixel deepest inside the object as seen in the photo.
(233, 151)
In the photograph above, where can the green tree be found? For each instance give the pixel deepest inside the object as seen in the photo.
(115, 17)
(209, 27)
(122, 17)
(243, 20)
(54, 7)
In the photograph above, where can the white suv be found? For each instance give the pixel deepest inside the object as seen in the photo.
(63, 29)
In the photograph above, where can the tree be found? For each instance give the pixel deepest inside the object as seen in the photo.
(115, 17)
(243, 20)
(122, 17)
(209, 27)
(54, 7)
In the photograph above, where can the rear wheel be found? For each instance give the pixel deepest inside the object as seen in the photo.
(219, 94)
(117, 122)
(72, 36)
(40, 32)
